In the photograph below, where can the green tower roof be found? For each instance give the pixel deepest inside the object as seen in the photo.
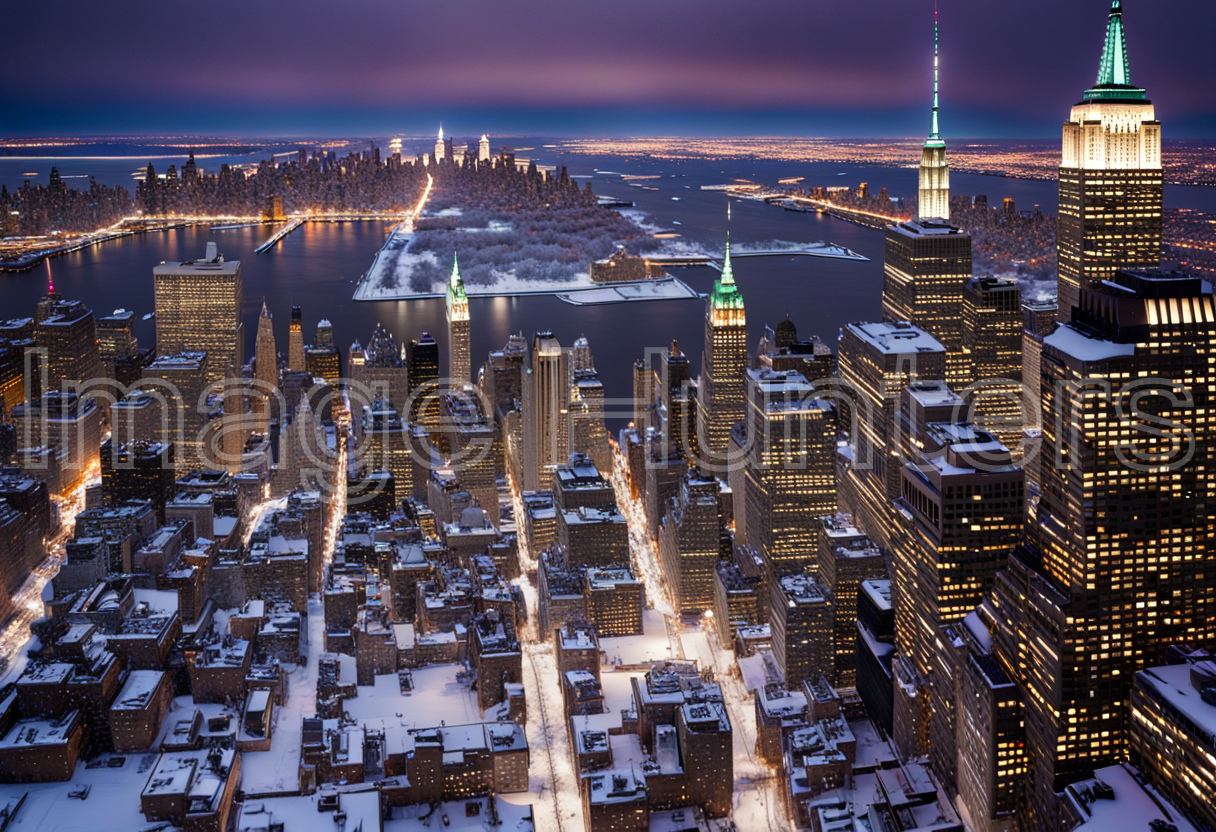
(726, 294)
(1114, 77)
(456, 282)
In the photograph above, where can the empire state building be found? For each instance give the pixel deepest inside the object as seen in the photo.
(1111, 190)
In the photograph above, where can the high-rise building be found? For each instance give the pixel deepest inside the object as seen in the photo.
(877, 361)
(926, 264)
(546, 405)
(723, 366)
(1173, 712)
(380, 368)
(790, 469)
(66, 428)
(198, 307)
(677, 411)
(689, 544)
(439, 146)
(138, 470)
(1124, 521)
(587, 432)
(934, 191)
(992, 346)
(266, 368)
(422, 359)
(116, 339)
(1111, 191)
(179, 382)
(846, 558)
(460, 355)
(800, 616)
(966, 499)
(295, 342)
(483, 149)
(67, 331)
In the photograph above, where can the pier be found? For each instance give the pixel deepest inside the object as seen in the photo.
(828, 250)
(280, 234)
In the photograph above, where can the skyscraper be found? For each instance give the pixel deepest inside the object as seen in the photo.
(877, 361)
(295, 342)
(266, 365)
(928, 260)
(1111, 193)
(934, 191)
(459, 349)
(545, 409)
(723, 366)
(198, 307)
(790, 470)
(422, 359)
(483, 149)
(992, 346)
(67, 331)
(1122, 568)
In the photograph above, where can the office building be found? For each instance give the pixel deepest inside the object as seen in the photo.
(790, 469)
(992, 346)
(846, 558)
(265, 370)
(198, 307)
(1114, 572)
(689, 544)
(1173, 731)
(295, 342)
(460, 351)
(67, 332)
(1111, 192)
(546, 405)
(926, 264)
(177, 383)
(66, 430)
(800, 617)
(877, 361)
(422, 359)
(139, 470)
(721, 387)
(381, 369)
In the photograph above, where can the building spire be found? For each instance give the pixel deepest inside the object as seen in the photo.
(726, 302)
(455, 280)
(728, 274)
(936, 133)
(1114, 69)
(1114, 75)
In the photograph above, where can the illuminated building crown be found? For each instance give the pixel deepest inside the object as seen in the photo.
(1114, 77)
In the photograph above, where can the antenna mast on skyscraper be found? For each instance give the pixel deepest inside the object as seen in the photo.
(936, 132)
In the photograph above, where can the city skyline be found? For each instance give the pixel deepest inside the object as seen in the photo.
(582, 72)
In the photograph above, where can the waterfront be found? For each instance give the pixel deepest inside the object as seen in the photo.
(318, 266)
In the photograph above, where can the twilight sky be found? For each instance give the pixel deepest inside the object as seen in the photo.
(576, 67)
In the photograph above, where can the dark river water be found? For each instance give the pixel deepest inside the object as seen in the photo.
(317, 266)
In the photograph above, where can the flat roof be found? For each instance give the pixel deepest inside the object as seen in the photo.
(896, 337)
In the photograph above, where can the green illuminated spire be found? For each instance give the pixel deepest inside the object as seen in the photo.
(1114, 77)
(456, 290)
(726, 294)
